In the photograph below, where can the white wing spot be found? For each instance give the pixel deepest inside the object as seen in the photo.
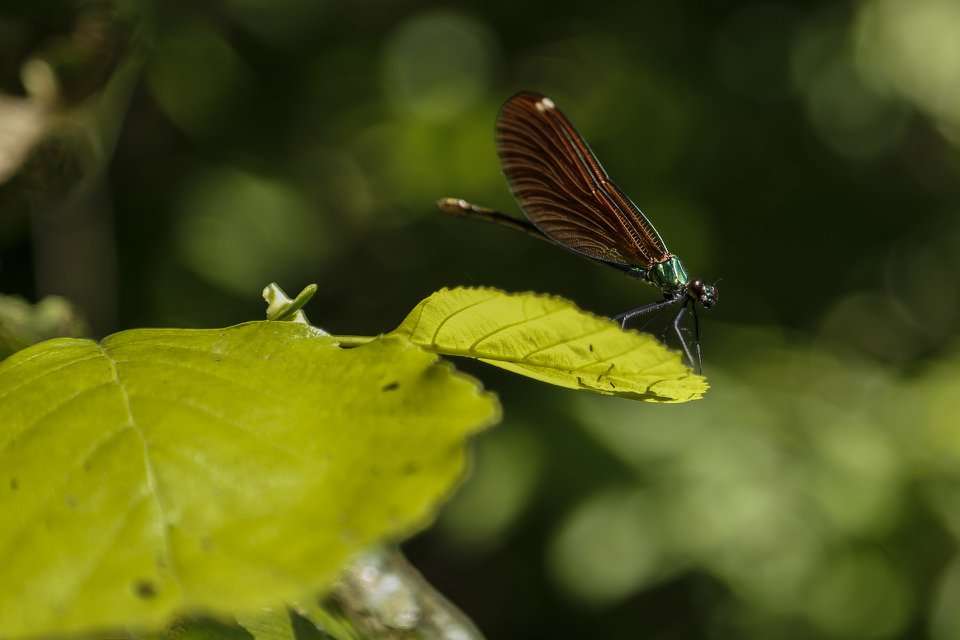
(545, 104)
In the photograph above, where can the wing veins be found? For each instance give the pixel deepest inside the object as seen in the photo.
(564, 190)
(526, 169)
(599, 179)
(634, 221)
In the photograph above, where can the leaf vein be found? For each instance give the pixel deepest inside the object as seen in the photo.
(511, 325)
(413, 332)
(526, 357)
(30, 428)
(45, 373)
(28, 522)
(152, 483)
(227, 381)
(105, 546)
(48, 351)
(609, 358)
(436, 332)
(225, 421)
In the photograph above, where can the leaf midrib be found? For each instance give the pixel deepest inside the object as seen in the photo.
(169, 560)
(440, 347)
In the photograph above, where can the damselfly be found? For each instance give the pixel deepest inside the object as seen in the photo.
(569, 200)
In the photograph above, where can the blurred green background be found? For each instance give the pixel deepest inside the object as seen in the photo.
(162, 161)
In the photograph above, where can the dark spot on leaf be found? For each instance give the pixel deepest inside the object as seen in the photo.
(14, 484)
(410, 468)
(579, 381)
(591, 347)
(145, 589)
(612, 386)
(393, 386)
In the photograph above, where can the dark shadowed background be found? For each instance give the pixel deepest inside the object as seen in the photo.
(160, 162)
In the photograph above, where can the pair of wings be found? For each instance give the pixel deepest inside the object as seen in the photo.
(564, 191)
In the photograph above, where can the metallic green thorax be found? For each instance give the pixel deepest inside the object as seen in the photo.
(668, 276)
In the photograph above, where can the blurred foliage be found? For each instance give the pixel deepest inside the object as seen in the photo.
(805, 152)
(23, 324)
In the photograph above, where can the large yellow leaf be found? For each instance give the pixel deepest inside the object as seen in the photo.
(160, 472)
(551, 339)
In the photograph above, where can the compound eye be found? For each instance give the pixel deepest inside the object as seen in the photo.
(710, 297)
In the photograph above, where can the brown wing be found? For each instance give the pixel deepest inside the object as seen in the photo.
(564, 191)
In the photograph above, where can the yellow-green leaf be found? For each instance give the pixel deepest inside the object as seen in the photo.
(551, 339)
(269, 624)
(162, 472)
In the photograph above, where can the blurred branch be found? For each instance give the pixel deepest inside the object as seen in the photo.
(68, 70)
(54, 146)
(381, 595)
(77, 88)
(22, 125)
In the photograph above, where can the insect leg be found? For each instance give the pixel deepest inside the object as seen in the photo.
(683, 341)
(696, 335)
(626, 316)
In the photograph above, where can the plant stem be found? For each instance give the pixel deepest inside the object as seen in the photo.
(381, 596)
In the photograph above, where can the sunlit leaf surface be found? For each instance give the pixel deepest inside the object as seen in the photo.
(551, 339)
(170, 471)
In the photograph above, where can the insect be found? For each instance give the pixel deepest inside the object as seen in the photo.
(570, 201)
